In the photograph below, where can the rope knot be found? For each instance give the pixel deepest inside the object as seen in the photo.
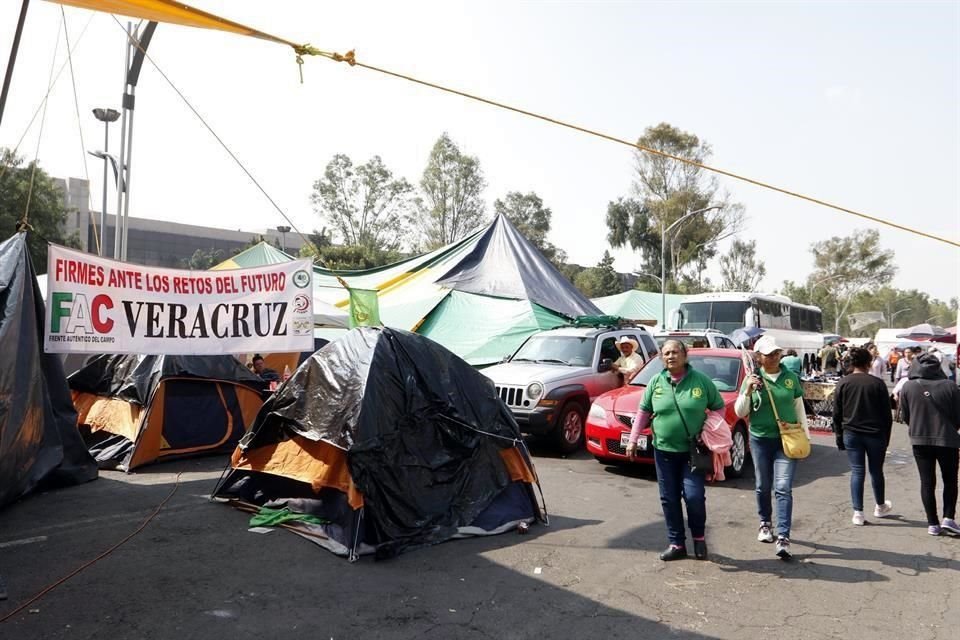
(24, 225)
(350, 57)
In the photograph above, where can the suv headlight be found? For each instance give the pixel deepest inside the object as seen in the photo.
(534, 390)
(597, 412)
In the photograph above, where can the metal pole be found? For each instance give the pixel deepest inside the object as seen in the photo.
(123, 139)
(8, 76)
(663, 276)
(126, 199)
(103, 210)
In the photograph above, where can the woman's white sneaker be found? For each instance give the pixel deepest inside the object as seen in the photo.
(857, 518)
(883, 510)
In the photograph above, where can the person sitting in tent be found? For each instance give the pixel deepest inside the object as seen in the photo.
(260, 368)
(629, 362)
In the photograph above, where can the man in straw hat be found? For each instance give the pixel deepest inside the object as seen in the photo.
(629, 362)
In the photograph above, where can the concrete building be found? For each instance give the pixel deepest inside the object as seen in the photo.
(158, 243)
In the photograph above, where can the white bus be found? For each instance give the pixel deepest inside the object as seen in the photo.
(794, 325)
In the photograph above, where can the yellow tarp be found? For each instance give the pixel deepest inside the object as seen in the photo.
(170, 12)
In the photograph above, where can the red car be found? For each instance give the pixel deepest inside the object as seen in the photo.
(611, 415)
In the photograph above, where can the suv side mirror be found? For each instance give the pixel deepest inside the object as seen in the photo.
(505, 358)
(606, 364)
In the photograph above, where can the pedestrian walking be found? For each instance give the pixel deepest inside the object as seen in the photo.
(771, 396)
(677, 402)
(862, 424)
(930, 405)
(878, 366)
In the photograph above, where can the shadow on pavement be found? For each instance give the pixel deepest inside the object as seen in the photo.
(196, 572)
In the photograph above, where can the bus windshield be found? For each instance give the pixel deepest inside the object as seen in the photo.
(723, 316)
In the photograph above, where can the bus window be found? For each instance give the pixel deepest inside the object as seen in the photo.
(728, 316)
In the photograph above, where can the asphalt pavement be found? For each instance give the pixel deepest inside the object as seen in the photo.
(194, 571)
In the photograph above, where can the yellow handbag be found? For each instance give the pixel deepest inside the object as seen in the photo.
(796, 444)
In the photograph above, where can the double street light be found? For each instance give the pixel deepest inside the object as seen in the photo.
(663, 264)
(106, 116)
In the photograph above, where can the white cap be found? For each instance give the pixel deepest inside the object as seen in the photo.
(766, 345)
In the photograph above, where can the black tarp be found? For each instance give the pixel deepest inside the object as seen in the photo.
(504, 264)
(422, 430)
(39, 441)
(133, 377)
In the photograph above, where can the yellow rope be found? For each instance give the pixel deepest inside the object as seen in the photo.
(350, 58)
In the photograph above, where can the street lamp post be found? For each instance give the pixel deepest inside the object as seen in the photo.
(663, 264)
(283, 236)
(106, 116)
(894, 315)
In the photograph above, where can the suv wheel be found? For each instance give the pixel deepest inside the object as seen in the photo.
(738, 452)
(569, 431)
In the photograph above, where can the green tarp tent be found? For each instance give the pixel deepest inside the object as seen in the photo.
(638, 305)
(479, 297)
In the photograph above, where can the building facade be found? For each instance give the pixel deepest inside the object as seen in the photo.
(158, 243)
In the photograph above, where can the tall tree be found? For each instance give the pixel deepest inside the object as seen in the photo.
(532, 219)
(846, 266)
(452, 186)
(666, 190)
(601, 280)
(365, 204)
(741, 269)
(48, 209)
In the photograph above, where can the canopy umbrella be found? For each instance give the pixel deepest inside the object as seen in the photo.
(742, 336)
(923, 331)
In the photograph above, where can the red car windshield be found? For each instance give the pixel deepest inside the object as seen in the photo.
(723, 370)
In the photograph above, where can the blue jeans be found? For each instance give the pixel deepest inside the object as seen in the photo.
(676, 481)
(773, 470)
(874, 450)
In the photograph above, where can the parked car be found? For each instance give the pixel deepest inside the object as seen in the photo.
(705, 339)
(611, 415)
(549, 383)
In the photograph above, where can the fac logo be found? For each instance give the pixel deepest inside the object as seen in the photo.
(788, 383)
(301, 303)
(72, 314)
(697, 392)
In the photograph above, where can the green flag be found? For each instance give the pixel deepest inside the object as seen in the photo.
(364, 310)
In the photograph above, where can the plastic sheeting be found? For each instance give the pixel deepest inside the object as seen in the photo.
(503, 263)
(39, 442)
(638, 305)
(422, 430)
(483, 329)
(134, 377)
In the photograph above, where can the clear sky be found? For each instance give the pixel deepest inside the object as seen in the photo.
(853, 103)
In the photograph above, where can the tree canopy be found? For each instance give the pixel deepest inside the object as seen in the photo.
(452, 204)
(365, 205)
(47, 213)
(601, 280)
(740, 267)
(665, 191)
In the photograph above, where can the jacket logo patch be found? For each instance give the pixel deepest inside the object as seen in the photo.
(788, 383)
(697, 392)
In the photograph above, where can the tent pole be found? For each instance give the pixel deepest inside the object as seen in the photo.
(8, 76)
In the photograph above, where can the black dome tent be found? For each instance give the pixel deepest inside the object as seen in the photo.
(390, 442)
(39, 443)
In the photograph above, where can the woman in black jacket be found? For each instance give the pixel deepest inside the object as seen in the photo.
(930, 404)
(862, 423)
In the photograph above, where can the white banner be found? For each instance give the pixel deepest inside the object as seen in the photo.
(95, 305)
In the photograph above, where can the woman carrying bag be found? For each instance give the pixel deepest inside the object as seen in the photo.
(676, 402)
(773, 398)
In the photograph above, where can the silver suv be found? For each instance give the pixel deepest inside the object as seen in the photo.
(549, 383)
(697, 338)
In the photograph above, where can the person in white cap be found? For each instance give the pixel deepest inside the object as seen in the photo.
(772, 468)
(629, 362)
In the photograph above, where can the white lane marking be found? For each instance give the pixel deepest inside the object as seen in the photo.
(22, 541)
